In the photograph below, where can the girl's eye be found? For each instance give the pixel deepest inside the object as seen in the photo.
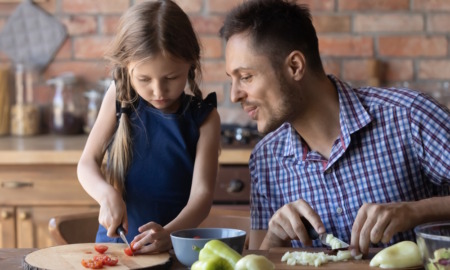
(144, 79)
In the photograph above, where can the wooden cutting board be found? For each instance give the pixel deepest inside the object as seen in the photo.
(275, 254)
(70, 256)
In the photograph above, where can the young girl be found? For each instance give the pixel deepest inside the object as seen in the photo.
(162, 144)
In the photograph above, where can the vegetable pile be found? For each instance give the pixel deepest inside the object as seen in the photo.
(441, 260)
(216, 255)
(316, 258)
(100, 259)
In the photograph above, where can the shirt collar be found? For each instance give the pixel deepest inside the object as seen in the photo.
(352, 116)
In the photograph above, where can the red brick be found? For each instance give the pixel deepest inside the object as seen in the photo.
(90, 47)
(388, 23)
(221, 6)
(207, 24)
(412, 46)
(214, 71)
(332, 66)
(190, 6)
(371, 5)
(332, 23)
(211, 47)
(65, 52)
(361, 70)
(48, 5)
(399, 70)
(431, 5)
(345, 46)
(80, 25)
(314, 5)
(88, 71)
(95, 7)
(109, 24)
(434, 69)
(439, 23)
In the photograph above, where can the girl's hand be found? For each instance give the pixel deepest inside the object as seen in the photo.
(154, 234)
(113, 212)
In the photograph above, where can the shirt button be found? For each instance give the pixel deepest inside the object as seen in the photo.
(339, 210)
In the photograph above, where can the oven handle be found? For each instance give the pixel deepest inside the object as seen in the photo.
(235, 186)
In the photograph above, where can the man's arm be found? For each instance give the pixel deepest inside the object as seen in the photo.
(286, 225)
(379, 222)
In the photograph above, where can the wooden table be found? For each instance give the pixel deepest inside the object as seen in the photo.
(12, 259)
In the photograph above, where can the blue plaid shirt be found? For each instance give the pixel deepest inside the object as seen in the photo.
(394, 146)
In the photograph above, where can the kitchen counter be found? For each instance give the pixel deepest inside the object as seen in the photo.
(12, 259)
(53, 149)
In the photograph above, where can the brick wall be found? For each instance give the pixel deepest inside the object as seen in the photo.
(408, 39)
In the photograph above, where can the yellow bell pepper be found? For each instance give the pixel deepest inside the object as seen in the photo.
(216, 255)
(254, 262)
(213, 263)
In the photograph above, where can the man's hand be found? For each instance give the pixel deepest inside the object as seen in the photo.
(379, 222)
(286, 225)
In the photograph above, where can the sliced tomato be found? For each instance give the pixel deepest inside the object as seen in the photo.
(85, 263)
(129, 251)
(110, 261)
(101, 248)
(92, 264)
(100, 257)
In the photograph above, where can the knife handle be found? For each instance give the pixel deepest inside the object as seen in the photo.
(120, 230)
(310, 229)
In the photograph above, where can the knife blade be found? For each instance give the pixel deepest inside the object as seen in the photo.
(333, 242)
(121, 232)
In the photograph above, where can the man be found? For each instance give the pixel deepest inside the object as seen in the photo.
(367, 164)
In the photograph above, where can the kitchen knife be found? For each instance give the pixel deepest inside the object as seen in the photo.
(121, 232)
(323, 237)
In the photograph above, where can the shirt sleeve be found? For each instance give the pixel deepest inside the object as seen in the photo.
(430, 125)
(260, 204)
(204, 107)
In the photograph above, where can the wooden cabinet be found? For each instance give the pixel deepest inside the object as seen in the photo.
(38, 180)
(32, 194)
(7, 227)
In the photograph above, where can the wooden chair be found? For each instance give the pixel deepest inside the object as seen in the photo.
(82, 227)
(228, 218)
(74, 228)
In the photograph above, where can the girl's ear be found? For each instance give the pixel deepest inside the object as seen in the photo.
(296, 64)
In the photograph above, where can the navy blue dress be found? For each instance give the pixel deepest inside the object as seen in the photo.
(159, 179)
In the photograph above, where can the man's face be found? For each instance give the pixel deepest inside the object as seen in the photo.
(266, 96)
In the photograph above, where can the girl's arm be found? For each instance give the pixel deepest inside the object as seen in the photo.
(112, 208)
(201, 196)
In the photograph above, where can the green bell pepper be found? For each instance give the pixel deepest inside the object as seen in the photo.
(214, 249)
(213, 263)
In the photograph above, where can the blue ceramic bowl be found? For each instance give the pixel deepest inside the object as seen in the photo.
(184, 241)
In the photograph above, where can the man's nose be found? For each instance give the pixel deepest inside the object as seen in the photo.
(237, 94)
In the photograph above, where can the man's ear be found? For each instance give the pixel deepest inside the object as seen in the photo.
(296, 64)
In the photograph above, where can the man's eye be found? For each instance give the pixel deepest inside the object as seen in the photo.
(246, 78)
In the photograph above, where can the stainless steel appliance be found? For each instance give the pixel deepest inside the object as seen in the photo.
(233, 181)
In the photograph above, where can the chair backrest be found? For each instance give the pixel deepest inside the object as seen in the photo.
(74, 228)
(228, 218)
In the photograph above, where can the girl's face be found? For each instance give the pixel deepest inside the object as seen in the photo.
(160, 80)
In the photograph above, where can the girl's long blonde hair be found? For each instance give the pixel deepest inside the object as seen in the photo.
(145, 29)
